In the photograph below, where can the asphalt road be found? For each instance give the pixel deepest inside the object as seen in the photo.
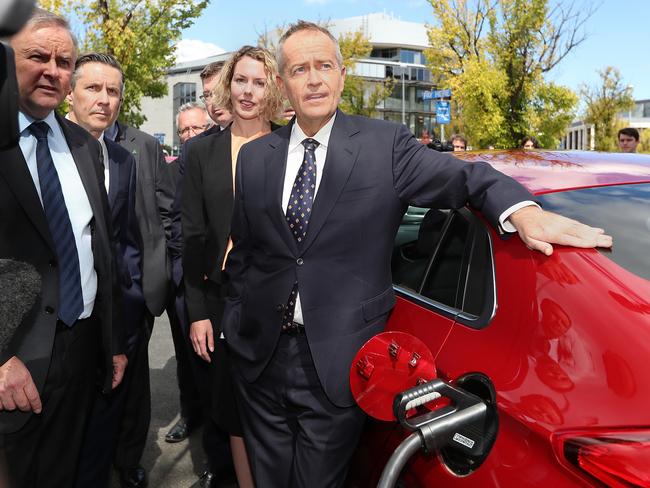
(168, 465)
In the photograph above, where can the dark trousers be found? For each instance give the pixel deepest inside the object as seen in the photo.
(190, 399)
(136, 416)
(107, 414)
(46, 450)
(295, 437)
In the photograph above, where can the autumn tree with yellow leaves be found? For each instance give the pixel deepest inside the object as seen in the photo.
(141, 34)
(494, 54)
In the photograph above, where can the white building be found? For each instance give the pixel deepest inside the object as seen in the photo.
(397, 52)
(582, 136)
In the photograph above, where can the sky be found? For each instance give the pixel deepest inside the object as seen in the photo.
(618, 33)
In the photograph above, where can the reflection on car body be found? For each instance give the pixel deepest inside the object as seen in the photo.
(562, 341)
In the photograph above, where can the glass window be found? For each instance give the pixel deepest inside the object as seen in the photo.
(445, 256)
(622, 210)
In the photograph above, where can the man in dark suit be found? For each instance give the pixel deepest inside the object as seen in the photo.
(311, 278)
(55, 216)
(94, 101)
(154, 197)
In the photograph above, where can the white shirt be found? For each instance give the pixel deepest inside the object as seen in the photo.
(107, 177)
(74, 194)
(294, 160)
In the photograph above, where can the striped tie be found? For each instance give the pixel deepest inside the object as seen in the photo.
(299, 213)
(70, 295)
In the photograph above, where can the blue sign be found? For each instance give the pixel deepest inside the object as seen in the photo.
(443, 112)
(160, 136)
(429, 95)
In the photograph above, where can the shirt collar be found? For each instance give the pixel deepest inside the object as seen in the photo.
(24, 121)
(322, 136)
(111, 131)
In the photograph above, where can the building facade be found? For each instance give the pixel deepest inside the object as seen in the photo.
(397, 52)
(582, 136)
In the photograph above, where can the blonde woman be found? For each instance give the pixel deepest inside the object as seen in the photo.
(247, 89)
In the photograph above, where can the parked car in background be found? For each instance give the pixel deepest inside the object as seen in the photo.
(559, 346)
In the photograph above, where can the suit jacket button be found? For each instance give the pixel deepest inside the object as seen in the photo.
(49, 310)
(280, 307)
(299, 261)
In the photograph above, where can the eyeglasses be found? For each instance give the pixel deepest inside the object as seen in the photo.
(196, 129)
(206, 97)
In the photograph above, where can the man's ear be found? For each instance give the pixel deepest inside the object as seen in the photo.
(68, 98)
(280, 82)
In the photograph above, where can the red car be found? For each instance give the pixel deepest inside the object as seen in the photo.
(557, 347)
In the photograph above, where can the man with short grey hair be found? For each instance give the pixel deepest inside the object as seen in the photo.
(56, 217)
(192, 119)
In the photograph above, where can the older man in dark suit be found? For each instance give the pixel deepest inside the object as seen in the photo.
(317, 206)
(55, 216)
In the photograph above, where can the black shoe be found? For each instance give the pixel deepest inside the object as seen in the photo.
(206, 480)
(133, 477)
(179, 432)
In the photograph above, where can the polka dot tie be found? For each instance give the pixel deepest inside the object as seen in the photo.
(302, 193)
(299, 213)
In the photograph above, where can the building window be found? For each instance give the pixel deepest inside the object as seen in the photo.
(183, 93)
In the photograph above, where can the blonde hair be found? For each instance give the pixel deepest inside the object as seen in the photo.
(272, 100)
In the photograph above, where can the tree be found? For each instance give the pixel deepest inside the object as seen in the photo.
(141, 34)
(503, 48)
(603, 104)
(359, 96)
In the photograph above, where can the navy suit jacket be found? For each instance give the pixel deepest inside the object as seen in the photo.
(374, 170)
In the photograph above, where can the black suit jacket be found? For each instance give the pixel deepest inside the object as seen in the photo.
(373, 171)
(154, 197)
(176, 243)
(206, 211)
(121, 199)
(25, 236)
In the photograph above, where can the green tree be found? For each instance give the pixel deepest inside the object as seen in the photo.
(359, 96)
(141, 34)
(603, 104)
(503, 48)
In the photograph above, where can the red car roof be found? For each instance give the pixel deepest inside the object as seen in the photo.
(550, 171)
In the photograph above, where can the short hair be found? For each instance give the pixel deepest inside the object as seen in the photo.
(41, 18)
(458, 137)
(629, 131)
(531, 139)
(190, 106)
(299, 26)
(93, 57)
(272, 99)
(211, 69)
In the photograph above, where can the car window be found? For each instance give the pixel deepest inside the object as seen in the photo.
(622, 210)
(444, 257)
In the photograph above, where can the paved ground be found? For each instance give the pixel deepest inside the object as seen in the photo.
(168, 465)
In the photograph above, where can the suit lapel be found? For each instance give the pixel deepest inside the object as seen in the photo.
(275, 166)
(342, 154)
(113, 176)
(85, 166)
(14, 169)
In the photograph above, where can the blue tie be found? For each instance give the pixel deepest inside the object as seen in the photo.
(70, 295)
(299, 212)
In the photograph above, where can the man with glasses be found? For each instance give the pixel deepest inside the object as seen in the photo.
(191, 120)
